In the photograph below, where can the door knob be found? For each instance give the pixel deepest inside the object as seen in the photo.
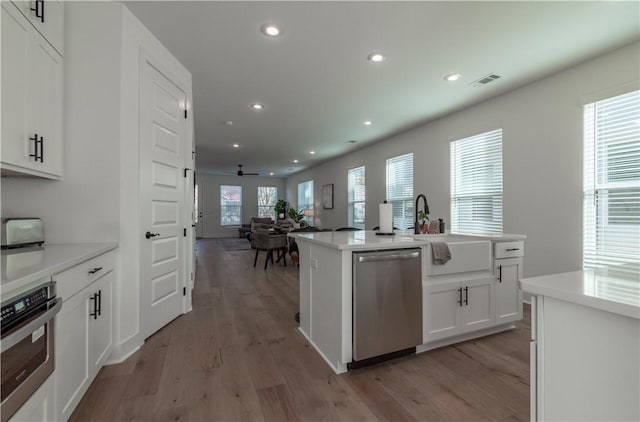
(149, 235)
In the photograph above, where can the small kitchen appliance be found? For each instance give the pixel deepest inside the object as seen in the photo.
(20, 233)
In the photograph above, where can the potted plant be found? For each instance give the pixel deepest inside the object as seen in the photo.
(281, 208)
(296, 216)
(424, 221)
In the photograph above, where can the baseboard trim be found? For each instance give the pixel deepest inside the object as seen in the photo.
(123, 350)
(464, 337)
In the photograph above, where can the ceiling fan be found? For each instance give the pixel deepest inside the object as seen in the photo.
(242, 173)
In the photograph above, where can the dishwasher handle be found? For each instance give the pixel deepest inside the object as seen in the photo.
(390, 257)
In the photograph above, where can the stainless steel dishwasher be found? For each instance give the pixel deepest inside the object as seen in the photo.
(387, 304)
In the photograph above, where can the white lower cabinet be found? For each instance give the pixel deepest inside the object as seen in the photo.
(508, 294)
(456, 307)
(84, 334)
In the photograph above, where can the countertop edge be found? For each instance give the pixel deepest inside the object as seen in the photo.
(92, 250)
(529, 285)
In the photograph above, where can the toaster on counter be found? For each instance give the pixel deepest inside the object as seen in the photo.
(19, 232)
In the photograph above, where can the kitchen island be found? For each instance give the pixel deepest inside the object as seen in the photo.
(485, 268)
(585, 345)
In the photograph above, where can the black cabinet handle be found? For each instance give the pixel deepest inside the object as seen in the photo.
(466, 296)
(460, 299)
(512, 249)
(94, 298)
(149, 235)
(39, 10)
(95, 270)
(37, 145)
(99, 310)
(500, 275)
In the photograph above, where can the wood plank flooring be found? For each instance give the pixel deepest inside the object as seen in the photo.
(239, 357)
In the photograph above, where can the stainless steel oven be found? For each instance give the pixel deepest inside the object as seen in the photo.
(27, 352)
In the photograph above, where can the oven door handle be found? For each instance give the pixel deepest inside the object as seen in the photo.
(21, 333)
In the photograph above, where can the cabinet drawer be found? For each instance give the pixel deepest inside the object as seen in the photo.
(508, 249)
(77, 278)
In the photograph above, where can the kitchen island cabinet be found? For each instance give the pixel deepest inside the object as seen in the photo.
(326, 293)
(585, 346)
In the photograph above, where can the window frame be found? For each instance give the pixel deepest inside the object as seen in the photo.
(351, 194)
(611, 184)
(270, 207)
(402, 204)
(477, 183)
(304, 206)
(224, 205)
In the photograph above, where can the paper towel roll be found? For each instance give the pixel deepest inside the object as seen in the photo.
(386, 218)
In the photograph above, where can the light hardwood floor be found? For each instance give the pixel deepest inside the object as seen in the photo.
(238, 356)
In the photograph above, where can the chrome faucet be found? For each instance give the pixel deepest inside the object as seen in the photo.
(416, 228)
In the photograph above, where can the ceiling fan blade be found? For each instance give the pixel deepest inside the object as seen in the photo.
(252, 174)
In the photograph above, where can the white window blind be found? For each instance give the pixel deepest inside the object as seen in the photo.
(230, 205)
(356, 197)
(612, 184)
(476, 184)
(267, 198)
(305, 200)
(400, 189)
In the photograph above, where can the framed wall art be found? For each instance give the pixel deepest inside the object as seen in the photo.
(327, 196)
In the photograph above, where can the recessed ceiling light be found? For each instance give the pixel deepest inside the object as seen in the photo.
(452, 77)
(270, 30)
(295, 161)
(271, 174)
(376, 57)
(257, 106)
(228, 123)
(312, 152)
(236, 146)
(368, 122)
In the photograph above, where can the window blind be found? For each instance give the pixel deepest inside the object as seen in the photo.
(476, 184)
(611, 215)
(305, 200)
(267, 197)
(230, 205)
(356, 197)
(400, 189)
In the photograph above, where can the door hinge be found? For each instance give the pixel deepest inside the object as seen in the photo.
(184, 291)
(185, 171)
(185, 232)
(185, 113)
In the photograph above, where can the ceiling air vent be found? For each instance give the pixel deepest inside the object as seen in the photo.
(485, 80)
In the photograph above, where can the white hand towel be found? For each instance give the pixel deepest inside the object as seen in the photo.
(440, 253)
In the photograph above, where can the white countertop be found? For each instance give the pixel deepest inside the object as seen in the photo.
(24, 268)
(367, 239)
(600, 289)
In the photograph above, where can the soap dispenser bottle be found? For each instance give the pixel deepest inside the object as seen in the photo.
(441, 225)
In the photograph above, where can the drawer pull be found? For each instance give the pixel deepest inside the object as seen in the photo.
(95, 270)
(500, 277)
(512, 249)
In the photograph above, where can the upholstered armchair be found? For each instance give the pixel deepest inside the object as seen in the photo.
(263, 240)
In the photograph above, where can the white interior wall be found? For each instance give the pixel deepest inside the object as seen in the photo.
(209, 191)
(542, 160)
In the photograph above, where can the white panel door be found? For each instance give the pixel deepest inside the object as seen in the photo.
(441, 310)
(508, 294)
(162, 195)
(479, 306)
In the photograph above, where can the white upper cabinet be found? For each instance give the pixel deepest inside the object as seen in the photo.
(47, 16)
(32, 81)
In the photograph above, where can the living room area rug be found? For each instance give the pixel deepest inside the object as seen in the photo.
(235, 244)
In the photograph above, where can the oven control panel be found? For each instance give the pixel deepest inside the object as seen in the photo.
(23, 305)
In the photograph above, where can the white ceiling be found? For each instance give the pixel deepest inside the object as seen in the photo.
(318, 87)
